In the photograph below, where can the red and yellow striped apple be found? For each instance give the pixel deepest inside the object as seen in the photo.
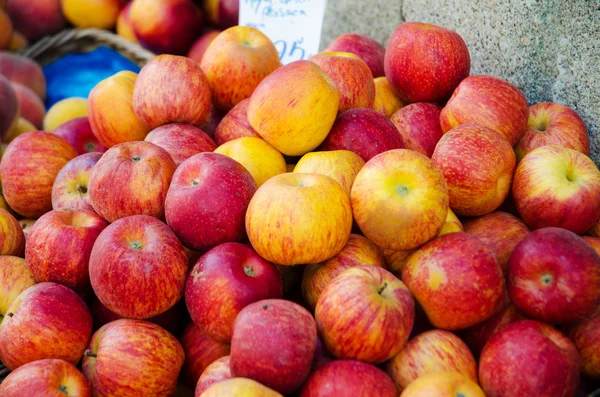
(78, 132)
(218, 371)
(200, 351)
(419, 126)
(369, 50)
(70, 188)
(340, 165)
(12, 240)
(443, 384)
(586, 336)
(239, 387)
(15, 277)
(31, 107)
(235, 124)
(386, 102)
(199, 47)
(181, 141)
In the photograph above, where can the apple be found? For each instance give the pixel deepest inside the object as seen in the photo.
(181, 141)
(553, 124)
(70, 188)
(59, 247)
(144, 173)
(595, 229)
(124, 27)
(488, 102)
(6, 30)
(321, 356)
(554, 276)
(235, 124)
(348, 378)
(133, 357)
(557, 187)
(400, 200)
(207, 201)
(26, 226)
(359, 251)
(500, 232)
(199, 47)
(366, 314)
(28, 169)
(22, 126)
(419, 126)
(432, 352)
(425, 63)
(262, 160)
(239, 387)
(214, 118)
(200, 351)
(222, 13)
(78, 132)
(184, 97)
(369, 50)
(273, 343)
(99, 14)
(524, 358)
(594, 242)
(294, 107)
(31, 107)
(47, 320)
(166, 26)
(19, 69)
(49, 377)
(299, 219)
(15, 277)
(12, 240)
(9, 105)
(586, 337)
(452, 302)
(138, 267)
(218, 371)
(236, 62)
(36, 18)
(352, 77)
(65, 110)
(386, 102)
(443, 384)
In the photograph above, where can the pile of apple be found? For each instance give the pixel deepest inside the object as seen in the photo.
(368, 222)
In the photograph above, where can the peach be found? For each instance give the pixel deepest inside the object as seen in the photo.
(18, 69)
(63, 111)
(36, 18)
(31, 106)
(100, 14)
(124, 27)
(181, 141)
(386, 102)
(235, 124)
(340, 165)
(12, 240)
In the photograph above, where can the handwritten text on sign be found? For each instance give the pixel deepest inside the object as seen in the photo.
(294, 26)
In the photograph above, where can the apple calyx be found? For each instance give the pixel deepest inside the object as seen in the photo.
(81, 189)
(195, 182)
(402, 190)
(136, 245)
(384, 286)
(135, 159)
(546, 279)
(89, 353)
(63, 389)
(90, 147)
(9, 314)
(249, 271)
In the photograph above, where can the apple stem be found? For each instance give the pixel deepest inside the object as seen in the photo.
(89, 353)
(9, 314)
(384, 286)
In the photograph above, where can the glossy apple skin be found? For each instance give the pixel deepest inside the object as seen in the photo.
(273, 342)
(199, 47)
(12, 240)
(443, 384)
(49, 321)
(299, 219)
(133, 357)
(425, 63)
(225, 280)
(235, 124)
(28, 169)
(10, 107)
(359, 251)
(70, 188)
(200, 351)
(222, 13)
(557, 187)
(207, 201)
(78, 132)
(586, 336)
(218, 371)
(455, 303)
(134, 257)
(419, 126)
(400, 200)
(478, 165)
(15, 277)
(352, 77)
(31, 106)
(364, 132)
(489, 102)
(365, 314)
(553, 124)
(369, 50)
(348, 378)
(183, 98)
(166, 26)
(431, 352)
(386, 101)
(554, 276)
(181, 141)
(524, 358)
(59, 247)
(340, 165)
(19, 69)
(294, 107)
(48, 378)
(145, 171)
(236, 62)
(36, 19)
(236, 387)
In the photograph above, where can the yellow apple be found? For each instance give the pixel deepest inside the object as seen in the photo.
(340, 165)
(386, 101)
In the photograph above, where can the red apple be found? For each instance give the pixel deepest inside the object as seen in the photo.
(200, 351)
(222, 13)
(348, 378)
(594, 242)
(369, 50)
(70, 188)
(419, 126)
(553, 124)
(243, 277)
(59, 247)
(199, 47)
(273, 343)
(207, 201)
(452, 302)
(50, 378)
(138, 267)
(36, 18)
(15, 277)
(133, 358)
(47, 320)
(586, 336)
(365, 314)
(557, 187)
(19, 69)
(12, 240)
(364, 132)
(9, 103)
(235, 124)
(181, 141)
(31, 106)
(78, 132)
(144, 173)
(529, 358)
(321, 356)
(425, 63)
(554, 276)
(214, 118)
(216, 372)
(489, 102)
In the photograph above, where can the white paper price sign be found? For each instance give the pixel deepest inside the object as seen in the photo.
(294, 26)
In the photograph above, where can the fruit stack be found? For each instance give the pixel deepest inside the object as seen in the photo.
(368, 222)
